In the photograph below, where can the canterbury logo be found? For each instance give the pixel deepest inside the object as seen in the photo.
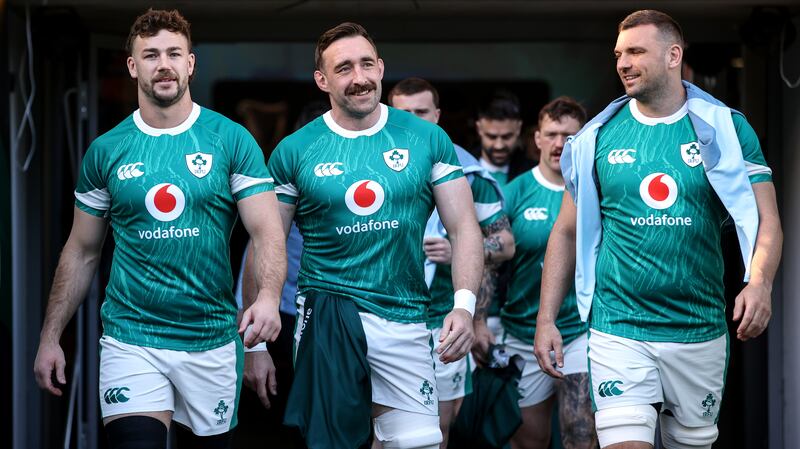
(129, 171)
(328, 169)
(535, 213)
(115, 395)
(622, 157)
(609, 388)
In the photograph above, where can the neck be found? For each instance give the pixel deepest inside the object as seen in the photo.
(666, 102)
(549, 174)
(351, 123)
(165, 117)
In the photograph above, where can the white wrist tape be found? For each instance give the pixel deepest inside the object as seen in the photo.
(260, 347)
(464, 299)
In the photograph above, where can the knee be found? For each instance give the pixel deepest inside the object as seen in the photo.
(675, 435)
(136, 432)
(627, 423)
(399, 429)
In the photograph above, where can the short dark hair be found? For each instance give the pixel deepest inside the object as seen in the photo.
(341, 31)
(503, 105)
(155, 20)
(413, 86)
(665, 24)
(563, 107)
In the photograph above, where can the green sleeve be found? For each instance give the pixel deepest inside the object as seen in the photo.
(281, 166)
(754, 161)
(445, 161)
(91, 193)
(488, 207)
(249, 174)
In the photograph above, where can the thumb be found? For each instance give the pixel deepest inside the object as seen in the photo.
(247, 317)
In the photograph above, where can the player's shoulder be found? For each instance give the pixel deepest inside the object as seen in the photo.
(112, 138)
(217, 123)
(305, 136)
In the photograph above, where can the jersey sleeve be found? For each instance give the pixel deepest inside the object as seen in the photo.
(91, 193)
(754, 161)
(509, 199)
(445, 161)
(281, 165)
(249, 174)
(488, 206)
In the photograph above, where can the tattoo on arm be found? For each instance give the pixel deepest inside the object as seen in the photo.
(575, 412)
(486, 292)
(493, 244)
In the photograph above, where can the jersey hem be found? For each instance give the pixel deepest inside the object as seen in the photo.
(659, 338)
(253, 190)
(169, 345)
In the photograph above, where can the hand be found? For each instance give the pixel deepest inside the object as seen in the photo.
(484, 338)
(259, 375)
(456, 337)
(753, 307)
(547, 340)
(266, 320)
(437, 250)
(50, 357)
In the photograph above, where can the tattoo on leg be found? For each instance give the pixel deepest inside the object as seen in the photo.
(575, 412)
(486, 292)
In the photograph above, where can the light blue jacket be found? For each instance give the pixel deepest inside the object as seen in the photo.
(722, 160)
(434, 227)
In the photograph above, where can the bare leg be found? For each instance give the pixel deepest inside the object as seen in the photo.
(575, 412)
(534, 433)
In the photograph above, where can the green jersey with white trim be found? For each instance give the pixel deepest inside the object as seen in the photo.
(488, 209)
(170, 196)
(659, 266)
(532, 205)
(362, 200)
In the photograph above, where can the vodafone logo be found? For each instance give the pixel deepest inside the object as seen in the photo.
(364, 197)
(658, 190)
(165, 201)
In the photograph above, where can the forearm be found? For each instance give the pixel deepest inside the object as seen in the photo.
(767, 252)
(498, 242)
(73, 276)
(249, 285)
(268, 269)
(467, 266)
(557, 275)
(486, 293)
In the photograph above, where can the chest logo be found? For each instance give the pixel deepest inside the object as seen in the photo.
(128, 171)
(364, 197)
(396, 158)
(199, 164)
(535, 213)
(165, 201)
(658, 190)
(328, 169)
(621, 156)
(690, 153)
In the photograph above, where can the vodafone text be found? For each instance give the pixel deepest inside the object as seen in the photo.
(169, 233)
(661, 220)
(367, 226)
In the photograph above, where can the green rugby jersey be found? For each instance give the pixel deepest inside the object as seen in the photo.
(532, 205)
(488, 209)
(659, 267)
(170, 196)
(362, 200)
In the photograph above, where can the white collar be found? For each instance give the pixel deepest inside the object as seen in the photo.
(491, 168)
(384, 117)
(174, 131)
(652, 121)
(537, 174)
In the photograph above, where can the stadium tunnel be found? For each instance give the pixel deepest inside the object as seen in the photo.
(67, 84)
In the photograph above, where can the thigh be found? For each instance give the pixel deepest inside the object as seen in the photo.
(207, 386)
(534, 433)
(401, 365)
(622, 372)
(453, 380)
(132, 382)
(693, 377)
(534, 386)
(576, 420)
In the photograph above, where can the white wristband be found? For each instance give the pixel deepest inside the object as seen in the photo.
(464, 299)
(260, 347)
